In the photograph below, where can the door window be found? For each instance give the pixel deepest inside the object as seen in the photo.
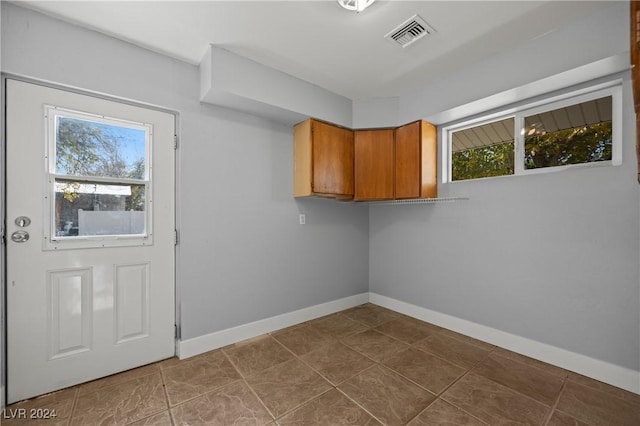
(98, 180)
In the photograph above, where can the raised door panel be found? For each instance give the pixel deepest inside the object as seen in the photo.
(408, 161)
(374, 164)
(332, 160)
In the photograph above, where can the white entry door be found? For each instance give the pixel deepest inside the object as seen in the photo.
(90, 238)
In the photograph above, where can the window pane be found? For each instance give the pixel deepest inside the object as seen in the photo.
(90, 148)
(83, 209)
(483, 151)
(576, 134)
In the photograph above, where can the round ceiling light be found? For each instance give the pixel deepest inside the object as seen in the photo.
(355, 5)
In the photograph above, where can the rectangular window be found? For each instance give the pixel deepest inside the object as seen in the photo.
(576, 134)
(483, 151)
(568, 132)
(99, 177)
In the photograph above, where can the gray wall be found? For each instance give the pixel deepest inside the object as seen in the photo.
(242, 254)
(551, 257)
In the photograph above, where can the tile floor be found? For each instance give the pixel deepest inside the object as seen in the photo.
(362, 366)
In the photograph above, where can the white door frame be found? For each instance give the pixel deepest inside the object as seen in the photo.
(3, 212)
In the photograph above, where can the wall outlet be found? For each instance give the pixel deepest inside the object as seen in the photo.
(303, 219)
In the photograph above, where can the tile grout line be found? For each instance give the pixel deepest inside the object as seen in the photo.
(422, 411)
(201, 394)
(303, 403)
(244, 380)
(505, 386)
(299, 358)
(375, 362)
(253, 392)
(166, 396)
(453, 404)
(164, 391)
(73, 405)
(555, 404)
(472, 370)
(358, 404)
(275, 418)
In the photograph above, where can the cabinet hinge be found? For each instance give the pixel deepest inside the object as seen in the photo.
(175, 141)
(175, 237)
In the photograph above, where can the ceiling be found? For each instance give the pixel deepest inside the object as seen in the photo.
(320, 42)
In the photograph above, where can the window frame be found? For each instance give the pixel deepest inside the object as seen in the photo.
(54, 242)
(525, 109)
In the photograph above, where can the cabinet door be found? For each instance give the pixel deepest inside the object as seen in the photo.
(407, 162)
(332, 160)
(374, 164)
(416, 161)
(429, 160)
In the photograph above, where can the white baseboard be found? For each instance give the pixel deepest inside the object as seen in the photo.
(208, 342)
(612, 374)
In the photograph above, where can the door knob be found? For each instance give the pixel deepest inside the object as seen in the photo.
(20, 237)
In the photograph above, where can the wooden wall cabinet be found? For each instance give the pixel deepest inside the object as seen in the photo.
(374, 164)
(323, 160)
(365, 165)
(396, 163)
(416, 161)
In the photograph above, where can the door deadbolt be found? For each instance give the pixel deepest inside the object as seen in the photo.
(20, 237)
(23, 221)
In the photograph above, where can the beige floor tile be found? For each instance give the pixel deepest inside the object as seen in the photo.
(375, 345)
(531, 381)
(337, 362)
(595, 384)
(287, 385)
(597, 408)
(301, 340)
(172, 362)
(119, 378)
(560, 372)
(494, 403)
(391, 398)
(121, 404)
(467, 339)
(191, 379)
(407, 329)
(233, 404)
(255, 355)
(442, 413)
(338, 325)
(160, 419)
(331, 408)
(51, 409)
(429, 371)
(560, 419)
(464, 354)
(370, 315)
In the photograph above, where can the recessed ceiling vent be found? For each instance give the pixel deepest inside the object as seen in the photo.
(410, 31)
